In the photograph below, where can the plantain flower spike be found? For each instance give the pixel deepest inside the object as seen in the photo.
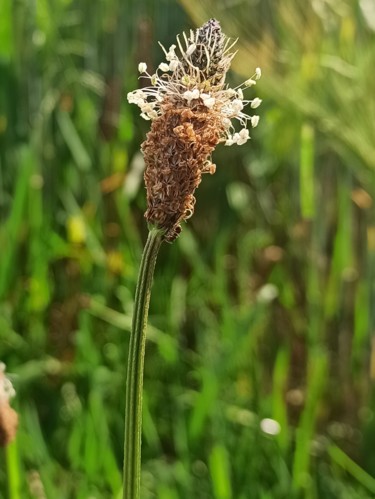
(191, 109)
(8, 416)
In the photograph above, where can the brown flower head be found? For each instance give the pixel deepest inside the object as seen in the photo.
(8, 416)
(191, 109)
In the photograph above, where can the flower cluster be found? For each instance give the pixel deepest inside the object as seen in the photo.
(191, 109)
(6, 388)
(182, 78)
(8, 417)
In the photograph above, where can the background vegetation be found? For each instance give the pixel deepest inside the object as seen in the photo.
(264, 306)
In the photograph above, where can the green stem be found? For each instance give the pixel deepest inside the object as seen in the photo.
(134, 381)
(13, 470)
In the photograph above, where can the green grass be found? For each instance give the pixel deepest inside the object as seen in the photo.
(292, 209)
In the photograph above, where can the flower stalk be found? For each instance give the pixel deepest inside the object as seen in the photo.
(134, 382)
(191, 110)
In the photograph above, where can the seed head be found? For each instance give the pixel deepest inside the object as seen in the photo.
(8, 416)
(191, 109)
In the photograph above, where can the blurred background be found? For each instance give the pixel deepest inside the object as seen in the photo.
(260, 363)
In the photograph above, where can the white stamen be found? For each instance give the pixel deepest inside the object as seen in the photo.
(146, 108)
(131, 98)
(170, 56)
(185, 38)
(190, 49)
(209, 102)
(179, 44)
(254, 120)
(142, 67)
(188, 95)
(237, 105)
(236, 138)
(255, 103)
(164, 67)
(6, 388)
(182, 79)
(243, 136)
(250, 82)
(173, 65)
(195, 93)
(136, 98)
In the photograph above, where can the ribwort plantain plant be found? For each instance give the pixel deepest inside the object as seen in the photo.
(191, 109)
(8, 416)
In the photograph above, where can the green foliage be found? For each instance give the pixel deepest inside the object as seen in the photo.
(261, 309)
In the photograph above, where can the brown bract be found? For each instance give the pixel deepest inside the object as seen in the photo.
(177, 151)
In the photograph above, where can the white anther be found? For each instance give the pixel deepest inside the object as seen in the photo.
(173, 65)
(142, 67)
(171, 53)
(209, 102)
(164, 67)
(195, 93)
(254, 120)
(190, 95)
(237, 105)
(250, 82)
(243, 136)
(190, 49)
(255, 103)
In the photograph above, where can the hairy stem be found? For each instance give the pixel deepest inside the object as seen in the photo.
(134, 381)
